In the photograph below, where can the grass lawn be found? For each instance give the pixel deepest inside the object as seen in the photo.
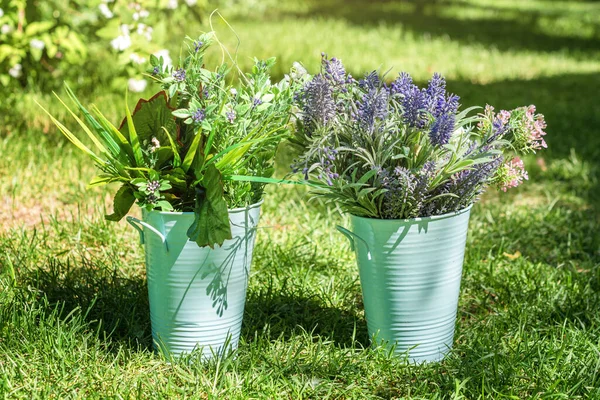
(74, 318)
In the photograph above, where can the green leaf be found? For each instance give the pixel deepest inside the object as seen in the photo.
(125, 154)
(101, 179)
(133, 138)
(164, 205)
(176, 157)
(65, 131)
(191, 153)
(181, 113)
(261, 179)
(211, 224)
(83, 126)
(152, 118)
(109, 140)
(122, 203)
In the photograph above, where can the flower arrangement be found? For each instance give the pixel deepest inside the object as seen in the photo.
(397, 151)
(198, 145)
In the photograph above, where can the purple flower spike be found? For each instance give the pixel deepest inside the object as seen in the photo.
(318, 106)
(334, 70)
(199, 115)
(179, 75)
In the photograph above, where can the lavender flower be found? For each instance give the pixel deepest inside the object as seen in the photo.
(334, 70)
(443, 108)
(318, 106)
(327, 156)
(397, 135)
(433, 100)
(400, 195)
(179, 75)
(435, 91)
(230, 116)
(198, 45)
(256, 102)
(372, 107)
(412, 100)
(370, 81)
(199, 115)
(466, 186)
(156, 70)
(442, 129)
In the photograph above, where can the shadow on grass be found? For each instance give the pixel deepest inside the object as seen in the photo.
(115, 305)
(285, 314)
(504, 28)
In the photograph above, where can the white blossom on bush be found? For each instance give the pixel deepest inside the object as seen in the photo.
(165, 55)
(172, 4)
(37, 44)
(5, 29)
(144, 30)
(137, 85)
(15, 71)
(136, 58)
(122, 41)
(191, 3)
(105, 11)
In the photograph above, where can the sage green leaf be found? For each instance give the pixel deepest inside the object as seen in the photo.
(122, 203)
(211, 224)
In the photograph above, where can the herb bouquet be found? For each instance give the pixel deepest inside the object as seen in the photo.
(407, 164)
(196, 157)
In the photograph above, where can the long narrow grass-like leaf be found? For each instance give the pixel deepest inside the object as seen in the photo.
(220, 154)
(261, 179)
(133, 137)
(104, 179)
(176, 156)
(191, 153)
(232, 157)
(83, 126)
(109, 141)
(69, 135)
(125, 156)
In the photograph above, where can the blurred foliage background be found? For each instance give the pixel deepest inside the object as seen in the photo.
(505, 53)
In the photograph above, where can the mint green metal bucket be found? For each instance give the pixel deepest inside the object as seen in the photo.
(410, 272)
(197, 294)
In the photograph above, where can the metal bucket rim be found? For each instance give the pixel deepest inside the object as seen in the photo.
(417, 219)
(229, 210)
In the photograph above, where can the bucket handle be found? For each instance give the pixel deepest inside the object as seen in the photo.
(136, 222)
(352, 237)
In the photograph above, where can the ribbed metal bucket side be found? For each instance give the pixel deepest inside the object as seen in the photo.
(197, 294)
(410, 273)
